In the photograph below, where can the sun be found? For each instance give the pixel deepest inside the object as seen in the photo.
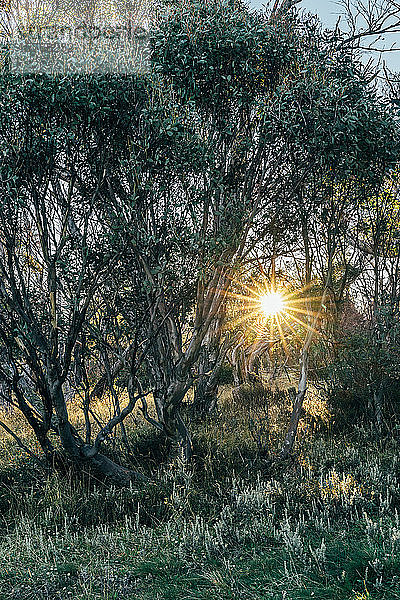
(272, 304)
(273, 312)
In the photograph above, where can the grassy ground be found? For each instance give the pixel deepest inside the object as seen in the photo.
(232, 526)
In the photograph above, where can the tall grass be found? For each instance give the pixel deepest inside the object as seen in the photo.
(233, 525)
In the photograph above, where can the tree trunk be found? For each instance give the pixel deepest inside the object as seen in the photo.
(108, 471)
(176, 430)
(68, 441)
(170, 420)
(205, 397)
(184, 440)
(297, 408)
(96, 464)
(238, 364)
(378, 408)
(210, 363)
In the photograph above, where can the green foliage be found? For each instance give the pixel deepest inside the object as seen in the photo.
(360, 367)
(157, 187)
(219, 55)
(333, 118)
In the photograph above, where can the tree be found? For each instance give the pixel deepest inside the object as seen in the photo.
(131, 203)
(223, 62)
(219, 61)
(377, 241)
(341, 143)
(58, 140)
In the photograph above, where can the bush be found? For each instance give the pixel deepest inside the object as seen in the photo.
(360, 367)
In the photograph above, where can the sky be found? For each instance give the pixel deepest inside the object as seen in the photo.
(328, 11)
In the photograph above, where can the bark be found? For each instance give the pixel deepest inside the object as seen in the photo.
(206, 391)
(297, 408)
(65, 431)
(211, 360)
(238, 364)
(108, 471)
(206, 397)
(246, 360)
(173, 424)
(97, 465)
(184, 441)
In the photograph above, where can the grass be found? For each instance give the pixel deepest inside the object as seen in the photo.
(232, 526)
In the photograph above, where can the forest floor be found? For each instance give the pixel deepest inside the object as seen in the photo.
(233, 525)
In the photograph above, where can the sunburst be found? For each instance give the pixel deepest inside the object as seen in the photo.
(274, 311)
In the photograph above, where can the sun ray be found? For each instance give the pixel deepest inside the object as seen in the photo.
(306, 325)
(292, 329)
(261, 310)
(300, 299)
(282, 336)
(246, 317)
(236, 296)
(312, 313)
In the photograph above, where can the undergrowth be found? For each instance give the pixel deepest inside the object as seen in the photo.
(234, 525)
